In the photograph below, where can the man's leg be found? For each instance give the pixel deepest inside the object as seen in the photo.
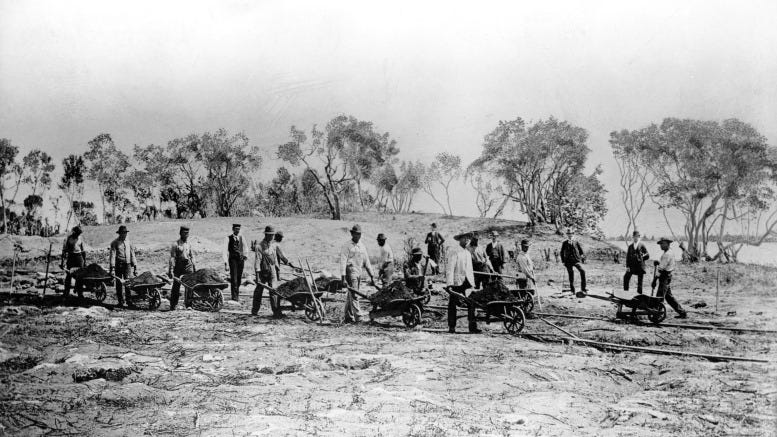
(119, 285)
(580, 269)
(640, 278)
(627, 281)
(256, 303)
(275, 300)
(174, 294)
(68, 279)
(452, 312)
(234, 279)
(351, 310)
(665, 288)
(571, 275)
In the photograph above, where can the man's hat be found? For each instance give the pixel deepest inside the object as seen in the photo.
(381, 236)
(465, 235)
(77, 230)
(236, 225)
(569, 231)
(122, 230)
(636, 234)
(662, 239)
(269, 230)
(278, 234)
(184, 228)
(356, 229)
(434, 225)
(494, 233)
(416, 251)
(525, 242)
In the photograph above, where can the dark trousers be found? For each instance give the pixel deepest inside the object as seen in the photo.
(73, 260)
(452, 311)
(627, 280)
(236, 263)
(179, 269)
(571, 274)
(434, 255)
(665, 290)
(480, 280)
(123, 271)
(267, 278)
(386, 274)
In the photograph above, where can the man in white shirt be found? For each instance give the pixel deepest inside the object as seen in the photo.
(385, 260)
(353, 258)
(666, 266)
(525, 264)
(460, 277)
(181, 262)
(234, 254)
(122, 258)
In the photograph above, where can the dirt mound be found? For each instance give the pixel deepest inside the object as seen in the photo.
(91, 271)
(493, 291)
(202, 276)
(395, 290)
(298, 285)
(145, 278)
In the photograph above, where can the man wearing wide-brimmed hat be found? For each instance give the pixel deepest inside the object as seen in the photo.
(354, 258)
(181, 262)
(636, 255)
(234, 254)
(460, 277)
(666, 266)
(413, 270)
(266, 267)
(73, 256)
(122, 258)
(385, 260)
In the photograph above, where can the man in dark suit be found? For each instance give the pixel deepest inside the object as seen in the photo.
(572, 256)
(434, 242)
(496, 254)
(636, 255)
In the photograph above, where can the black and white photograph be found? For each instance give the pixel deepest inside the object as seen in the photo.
(398, 218)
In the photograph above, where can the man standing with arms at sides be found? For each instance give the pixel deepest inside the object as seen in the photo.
(434, 242)
(636, 254)
(122, 256)
(73, 256)
(181, 262)
(354, 257)
(266, 268)
(525, 264)
(235, 252)
(496, 254)
(666, 266)
(413, 270)
(480, 263)
(385, 261)
(460, 277)
(572, 256)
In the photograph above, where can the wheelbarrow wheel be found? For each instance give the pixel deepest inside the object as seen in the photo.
(313, 310)
(513, 319)
(101, 292)
(218, 300)
(528, 303)
(411, 316)
(658, 314)
(154, 299)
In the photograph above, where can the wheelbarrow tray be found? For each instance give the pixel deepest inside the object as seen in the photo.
(509, 312)
(409, 309)
(143, 288)
(205, 296)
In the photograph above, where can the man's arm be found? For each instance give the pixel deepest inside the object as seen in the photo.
(645, 254)
(281, 258)
(243, 247)
(172, 260)
(132, 255)
(225, 251)
(111, 256)
(343, 260)
(368, 264)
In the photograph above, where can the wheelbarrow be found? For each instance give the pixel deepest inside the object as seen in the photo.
(509, 312)
(309, 301)
(203, 296)
(97, 285)
(409, 309)
(151, 293)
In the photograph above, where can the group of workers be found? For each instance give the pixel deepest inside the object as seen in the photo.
(469, 266)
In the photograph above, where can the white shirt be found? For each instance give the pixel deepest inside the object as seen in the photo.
(385, 254)
(354, 254)
(460, 267)
(667, 262)
(525, 264)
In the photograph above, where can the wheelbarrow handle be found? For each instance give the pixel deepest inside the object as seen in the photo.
(356, 292)
(270, 289)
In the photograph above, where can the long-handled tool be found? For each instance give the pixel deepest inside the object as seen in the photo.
(48, 262)
(316, 302)
(653, 282)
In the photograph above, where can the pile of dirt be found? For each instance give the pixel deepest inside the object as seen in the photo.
(298, 285)
(145, 278)
(492, 291)
(202, 276)
(395, 290)
(91, 271)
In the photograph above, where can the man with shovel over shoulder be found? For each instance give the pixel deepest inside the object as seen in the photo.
(666, 266)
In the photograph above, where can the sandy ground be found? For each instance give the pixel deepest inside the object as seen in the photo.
(71, 367)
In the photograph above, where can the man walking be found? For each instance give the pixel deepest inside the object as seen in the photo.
(572, 256)
(496, 254)
(666, 266)
(122, 257)
(460, 278)
(354, 258)
(434, 242)
(385, 261)
(73, 256)
(480, 263)
(181, 262)
(636, 254)
(266, 268)
(235, 252)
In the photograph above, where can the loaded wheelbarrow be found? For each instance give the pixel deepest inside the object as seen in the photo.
(641, 305)
(308, 301)
(508, 311)
(525, 295)
(97, 285)
(150, 292)
(409, 309)
(203, 296)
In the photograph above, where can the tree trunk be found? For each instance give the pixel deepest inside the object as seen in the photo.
(2, 205)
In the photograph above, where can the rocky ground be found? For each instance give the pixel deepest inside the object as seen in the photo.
(75, 367)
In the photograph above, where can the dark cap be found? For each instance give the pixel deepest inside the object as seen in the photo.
(494, 233)
(465, 235)
(381, 236)
(236, 225)
(356, 229)
(525, 242)
(77, 230)
(569, 231)
(122, 230)
(184, 229)
(416, 251)
(278, 234)
(434, 225)
(664, 239)
(269, 230)
(636, 234)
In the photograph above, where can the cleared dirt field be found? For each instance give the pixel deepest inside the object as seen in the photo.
(70, 368)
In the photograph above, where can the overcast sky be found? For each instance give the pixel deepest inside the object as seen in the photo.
(437, 76)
